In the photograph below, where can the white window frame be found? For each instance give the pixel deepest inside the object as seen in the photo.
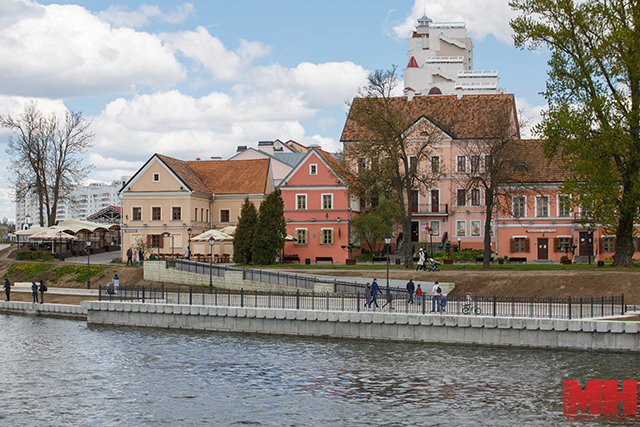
(513, 206)
(431, 164)
(313, 169)
(437, 226)
(478, 167)
(465, 196)
(306, 205)
(538, 198)
(558, 207)
(322, 201)
(333, 237)
(479, 193)
(155, 177)
(151, 217)
(306, 232)
(464, 228)
(479, 223)
(458, 164)
(141, 213)
(176, 220)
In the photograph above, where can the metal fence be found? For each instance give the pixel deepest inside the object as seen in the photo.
(558, 308)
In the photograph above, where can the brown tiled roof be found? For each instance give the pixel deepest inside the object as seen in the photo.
(232, 176)
(185, 173)
(539, 168)
(472, 116)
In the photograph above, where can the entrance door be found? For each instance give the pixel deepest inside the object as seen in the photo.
(585, 243)
(415, 231)
(543, 248)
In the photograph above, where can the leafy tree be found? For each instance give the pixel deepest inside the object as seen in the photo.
(383, 161)
(593, 92)
(243, 240)
(378, 223)
(270, 230)
(45, 156)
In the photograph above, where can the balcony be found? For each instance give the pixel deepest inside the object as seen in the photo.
(427, 209)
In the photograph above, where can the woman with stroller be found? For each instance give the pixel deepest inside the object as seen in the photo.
(421, 261)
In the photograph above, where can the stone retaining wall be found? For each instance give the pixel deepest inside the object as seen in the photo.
(54, 310)
(488, 331)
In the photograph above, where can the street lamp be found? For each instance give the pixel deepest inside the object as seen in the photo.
(88, 264)
(431, 241)
(60, 235)
(387, 240)
(459, 244)
(211, 243)
(167, 234)
(189, 231)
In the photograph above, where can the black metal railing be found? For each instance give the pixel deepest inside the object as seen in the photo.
(552, 308)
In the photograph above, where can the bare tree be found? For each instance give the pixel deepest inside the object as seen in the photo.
(45, 155)
(382, 159)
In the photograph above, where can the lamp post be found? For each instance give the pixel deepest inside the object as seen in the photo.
(211, 243)
(60, 250)
(387, 240)
(431, 242)
(88, 264)
(189, 231)
(459, 244)
(167, 234)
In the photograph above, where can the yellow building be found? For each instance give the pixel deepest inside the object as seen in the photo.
(166, 197)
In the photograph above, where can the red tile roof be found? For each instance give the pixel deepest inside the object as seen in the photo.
(232, 176)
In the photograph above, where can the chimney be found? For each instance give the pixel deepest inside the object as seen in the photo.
(410, 94)
(241, 148)
(459, 93)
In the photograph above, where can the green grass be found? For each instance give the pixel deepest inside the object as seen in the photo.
(29, 270)
(450, 267)
(79, 272)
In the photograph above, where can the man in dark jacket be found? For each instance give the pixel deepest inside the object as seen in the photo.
(7, 288)
(410, 289)
(375, 290)
(42, 289)
(129, 256)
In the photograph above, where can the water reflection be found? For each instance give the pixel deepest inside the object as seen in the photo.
(60, 372)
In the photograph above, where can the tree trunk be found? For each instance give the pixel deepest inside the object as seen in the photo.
(624, 232)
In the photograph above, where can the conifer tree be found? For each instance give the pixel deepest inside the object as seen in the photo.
(243, 240)
(270, 230)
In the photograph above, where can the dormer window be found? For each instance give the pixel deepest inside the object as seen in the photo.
(313, 169)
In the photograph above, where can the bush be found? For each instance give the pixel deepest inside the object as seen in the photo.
(564, 258)
(33, 256)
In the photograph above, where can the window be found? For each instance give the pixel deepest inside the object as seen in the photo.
(327, 201)
(156, 214)
(520, 244)
(195, 217)
(414, 200)
(224, 215)
(608, 244)
(435, 226)
(475, 163)
(156, 240)
(207, 215)
(542, 206)
(156, 177)
(362, 165)
(487, 162)
(313, 169)
(461, 164)
(461, 197)
(475, 228)
(564, 243)
(475, 197)
(435, 164)
(301, 203)
(461, 228)
(176, 214)
(327, 236)
(301, 235)
(519, 207)
(413, 164)
(564, 205)
(137, 214)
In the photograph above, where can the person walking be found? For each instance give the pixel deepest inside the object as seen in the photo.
(375, 290)
(141, 256)
(116, 284)
(43, 288)
(129, 256)
(421, 260)
(435, 298)
(367, 296)
(34, 291)
(389, 301)
(410, 289)
(419, 294)
(7, 288)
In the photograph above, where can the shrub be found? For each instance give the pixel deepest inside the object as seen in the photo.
(33, 256)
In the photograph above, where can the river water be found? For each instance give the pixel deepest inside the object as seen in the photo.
(56, 372)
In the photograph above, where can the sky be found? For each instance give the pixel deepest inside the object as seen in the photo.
(196, 79)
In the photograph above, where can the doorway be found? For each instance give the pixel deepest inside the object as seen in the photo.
(415, 231)
(585, 247)
(543, 248)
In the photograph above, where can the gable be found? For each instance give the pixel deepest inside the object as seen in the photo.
(303, 174)
(424, 129)
(145, 179)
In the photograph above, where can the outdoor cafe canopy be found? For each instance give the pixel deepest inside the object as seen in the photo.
(50, 234)
(218, 235)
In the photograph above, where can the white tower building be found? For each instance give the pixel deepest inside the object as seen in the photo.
(441, 61)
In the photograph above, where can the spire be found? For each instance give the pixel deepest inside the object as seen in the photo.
(413, 63)
(424, 21)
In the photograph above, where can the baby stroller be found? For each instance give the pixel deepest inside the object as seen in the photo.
(110, 289)
(434, 265)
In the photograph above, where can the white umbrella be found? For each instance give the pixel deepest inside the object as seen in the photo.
(290, 238)
(218, 235)
(52, 234)
(230, 230)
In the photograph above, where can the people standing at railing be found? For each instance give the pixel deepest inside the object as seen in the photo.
(375, 290)
(367, 295)
(443, 302)
(419, 294)
(34, 291)
(129, 255)
(43, 288)
(7, 288)
(410, 289)
(116, 284)
(435, 297)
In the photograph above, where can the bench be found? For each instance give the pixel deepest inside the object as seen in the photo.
(517, 259)
(481, 259)
(324, 259)
(379, 258)
(291, 258)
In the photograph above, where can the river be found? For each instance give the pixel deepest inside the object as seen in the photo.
(56, 372)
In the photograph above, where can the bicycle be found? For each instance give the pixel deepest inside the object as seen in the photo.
(466, 309)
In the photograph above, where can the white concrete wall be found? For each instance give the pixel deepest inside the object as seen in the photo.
(489, 331)
(53, 310)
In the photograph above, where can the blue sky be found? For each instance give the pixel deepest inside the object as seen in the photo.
(196, 79)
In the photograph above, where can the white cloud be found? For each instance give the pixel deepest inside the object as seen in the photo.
(119, 16)
(64, 51)
(530, 116)
(482, 17)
